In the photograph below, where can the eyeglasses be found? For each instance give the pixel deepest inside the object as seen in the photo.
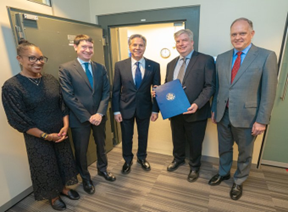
(34, 59)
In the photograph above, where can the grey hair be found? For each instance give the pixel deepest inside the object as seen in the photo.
(137, 36)
(243, 19)
(182, 31)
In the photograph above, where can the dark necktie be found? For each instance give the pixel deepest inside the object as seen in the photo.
(182, 70)
(88, 73)
(236, 66)
(138, 76)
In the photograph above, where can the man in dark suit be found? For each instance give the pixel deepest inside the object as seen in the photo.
(196, 71)
(85, 89)
(245, 92)
(131, 100)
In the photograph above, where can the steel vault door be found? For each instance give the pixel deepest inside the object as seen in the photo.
(55, 37)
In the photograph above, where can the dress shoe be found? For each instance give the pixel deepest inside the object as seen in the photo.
(236, 191)
(127, 167)
(174, 165)
(217, 179)
(193, 175)
(58, 204)
(88, 186)
(72, 194)
(107, 175)
(145, 164)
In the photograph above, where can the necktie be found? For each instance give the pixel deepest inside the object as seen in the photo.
(138, 76)
(88, 73)
(235, 69)
(182, 70)
(236, 66)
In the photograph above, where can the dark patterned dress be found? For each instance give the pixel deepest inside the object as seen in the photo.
(28, 106)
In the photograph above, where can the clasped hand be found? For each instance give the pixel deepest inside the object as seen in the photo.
(58, 137)
(95, 119)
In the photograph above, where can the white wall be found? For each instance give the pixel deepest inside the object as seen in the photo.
(215, 19)
(14, 168)
(72, 9)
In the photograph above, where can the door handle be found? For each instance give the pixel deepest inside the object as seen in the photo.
(285, 89)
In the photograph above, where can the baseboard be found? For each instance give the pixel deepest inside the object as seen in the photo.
(16, 199)
(274, 163)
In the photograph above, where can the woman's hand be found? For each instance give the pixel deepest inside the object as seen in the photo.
(55, 137)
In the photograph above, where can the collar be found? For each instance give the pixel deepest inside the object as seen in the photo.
(82, 61)
(188, 56)
(244, 51)
(141, 61)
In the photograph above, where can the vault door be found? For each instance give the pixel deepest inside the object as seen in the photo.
(55, 38)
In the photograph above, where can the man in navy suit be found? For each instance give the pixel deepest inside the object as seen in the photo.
(85, 87)
(131, 100)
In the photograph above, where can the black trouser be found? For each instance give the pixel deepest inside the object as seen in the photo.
(81, 137)
(127, 127)
(194, 133)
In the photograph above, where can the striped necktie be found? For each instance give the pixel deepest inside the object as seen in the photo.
(182, 70)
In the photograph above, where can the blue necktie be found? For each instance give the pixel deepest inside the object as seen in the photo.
(88, 73)
(138, 77)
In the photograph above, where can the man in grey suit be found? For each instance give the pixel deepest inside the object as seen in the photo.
(131, 100)
(246, 79)
(85, 87)
(196, 71)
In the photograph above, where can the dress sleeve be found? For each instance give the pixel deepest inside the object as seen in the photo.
(14, 107)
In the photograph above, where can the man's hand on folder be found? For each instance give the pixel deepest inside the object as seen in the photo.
(192, 109)
(118, 117)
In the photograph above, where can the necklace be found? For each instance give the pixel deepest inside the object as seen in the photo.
(35, 81)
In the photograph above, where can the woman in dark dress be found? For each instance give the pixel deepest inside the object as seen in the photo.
(34, 106)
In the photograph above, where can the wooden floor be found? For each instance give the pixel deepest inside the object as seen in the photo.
(158, 190)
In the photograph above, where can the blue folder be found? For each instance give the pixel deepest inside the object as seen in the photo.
(171, 99)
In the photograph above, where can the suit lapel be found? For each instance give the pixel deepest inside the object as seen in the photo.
(228, 60)
(190, 65)
(128, 70)
(79, 69)
(148, 70)
(96, 75)
(250, 57)
(172, 69)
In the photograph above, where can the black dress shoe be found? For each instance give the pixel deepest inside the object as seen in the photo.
(217, 179)
(58, 204)
(145, 164)
(72, 194)
(127, 167)
(236, 191)
(174, 165)
(107, 175)
(88, 186)
(193, 175)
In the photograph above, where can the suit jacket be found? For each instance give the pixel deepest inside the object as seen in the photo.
(126, 98)
(79, 96)
(252, 93)
(199, 80)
